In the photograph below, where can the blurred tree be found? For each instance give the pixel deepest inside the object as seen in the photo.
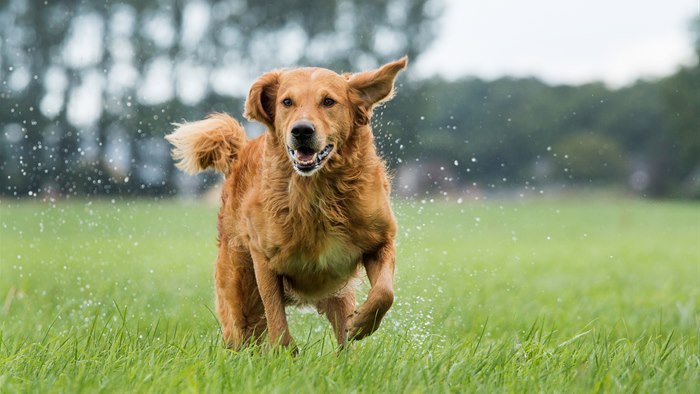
(586, 157)
(25, 56)
(681, 92)
(505, 133)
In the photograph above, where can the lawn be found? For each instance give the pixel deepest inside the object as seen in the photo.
(584, 294)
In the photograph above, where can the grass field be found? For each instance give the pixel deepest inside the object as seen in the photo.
(541, 295)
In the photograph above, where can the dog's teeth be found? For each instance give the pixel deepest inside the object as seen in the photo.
(325, 152)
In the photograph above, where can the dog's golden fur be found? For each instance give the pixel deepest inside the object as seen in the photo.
(295, 227)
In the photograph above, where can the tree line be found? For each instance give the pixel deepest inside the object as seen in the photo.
(511, 132)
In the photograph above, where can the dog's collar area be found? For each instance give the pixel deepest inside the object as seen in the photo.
(305, 161)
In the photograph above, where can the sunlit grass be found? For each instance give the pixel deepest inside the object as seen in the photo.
(552, 295)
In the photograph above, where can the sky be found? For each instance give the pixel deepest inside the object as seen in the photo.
(562, 41)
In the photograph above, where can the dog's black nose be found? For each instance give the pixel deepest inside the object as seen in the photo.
(303, 131)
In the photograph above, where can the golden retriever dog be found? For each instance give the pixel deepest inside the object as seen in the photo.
(303, 207)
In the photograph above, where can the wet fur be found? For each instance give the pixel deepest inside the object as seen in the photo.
(288, 239)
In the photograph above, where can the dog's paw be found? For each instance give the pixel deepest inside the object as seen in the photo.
(292, 349)
(287, 342)
(285, 345)
(361, 325)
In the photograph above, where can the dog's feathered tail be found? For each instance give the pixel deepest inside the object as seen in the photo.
(210, 143)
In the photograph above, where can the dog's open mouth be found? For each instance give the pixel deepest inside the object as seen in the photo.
(306, 160)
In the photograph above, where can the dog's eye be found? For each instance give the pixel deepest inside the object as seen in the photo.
(287, 102)
(328, 102)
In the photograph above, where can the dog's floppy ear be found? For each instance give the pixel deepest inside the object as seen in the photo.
(374, 87)
(260, 104)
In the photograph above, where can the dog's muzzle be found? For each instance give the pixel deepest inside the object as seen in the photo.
(306, 160)
(305, 150)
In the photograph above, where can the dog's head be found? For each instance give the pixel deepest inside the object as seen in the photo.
(313, 111)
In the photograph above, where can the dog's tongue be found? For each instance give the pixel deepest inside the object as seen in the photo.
(304, 155)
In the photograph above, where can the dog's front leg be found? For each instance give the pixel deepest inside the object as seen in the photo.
(272, 292)
(338, 310)
(380, 272)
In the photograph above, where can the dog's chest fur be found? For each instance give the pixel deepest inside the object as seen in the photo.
(318, 237)
(318, 255)
(335, 257)
(314, 274)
